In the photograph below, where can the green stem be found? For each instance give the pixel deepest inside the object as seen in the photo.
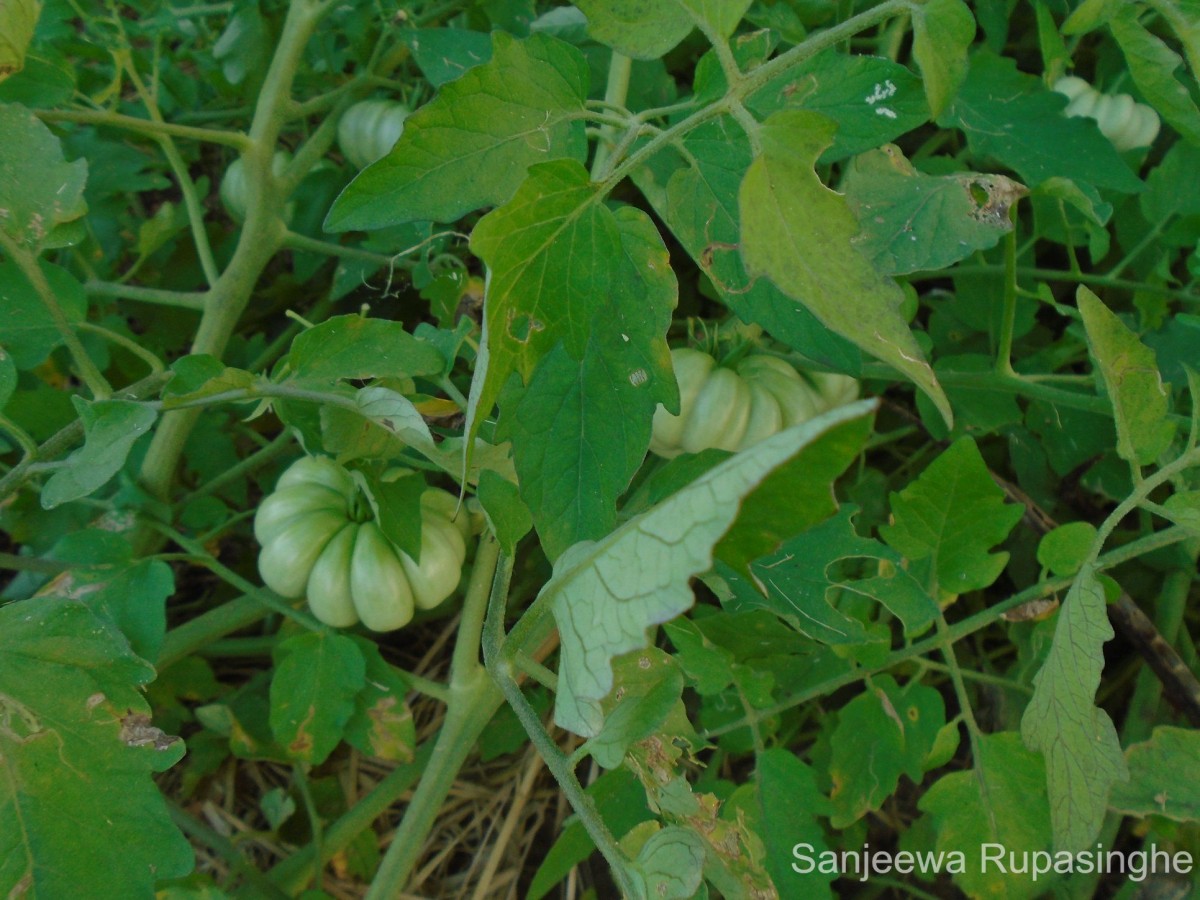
(295, 872)
(960, 630)
(28, 445)
(236, 473)
(1009, 312)
(152, 362)
(1168, 619)
(224, 848)
(755, 80)
(499, 655)
(14, 563)
(619, 68)
(262, 235)
(960, 687)
(1058, 275)
(473, 699)
(27, 262)
(187, 187)
(300, 777)
(149, 128)
(296, 241)
(177, 299)
(268, 599)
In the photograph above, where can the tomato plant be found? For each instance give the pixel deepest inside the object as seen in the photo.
(648, 448)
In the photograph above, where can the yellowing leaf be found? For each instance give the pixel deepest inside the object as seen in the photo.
(1130, 373)
(942, 32)
(17, 21)
(800, 234)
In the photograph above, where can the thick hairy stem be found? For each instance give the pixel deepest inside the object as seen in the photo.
(262, 236)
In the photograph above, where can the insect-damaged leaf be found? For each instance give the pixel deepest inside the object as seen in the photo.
(800, 234)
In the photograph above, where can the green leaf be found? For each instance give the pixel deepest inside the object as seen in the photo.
(1184, 509)
(355, 347)
(506, 512)
(579, 435)
(77, 752)
(605, 595)
(719, 16)
(642, 29)
(1001, 801)
(949, 519)
(885, 731)
(1129, 372)
(397, 506)
(872, 99)
(18, 18)
(471, 145)
(708, 666)
(1065, 549)
(197, 376)
(1016, 119)
(396, 415)
(110, 428)
(317, 676)
(381, 724)
(26, 328)
(912, 221)
(564, 268)
(789, 803)
(39, 190)
(795, 496)
(1154, 787)
(1170, 188)
(808, 574)
(42, 84)
(1090, 14)
(942, 33)
(698, 200)
(648, 687)
(1078, 740)
(671, 863)
(1152, 65)
(444, 54)
(134, 598)
(800, 234)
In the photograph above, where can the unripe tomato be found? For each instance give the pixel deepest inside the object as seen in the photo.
(734, 409)
(1126, 123)
(318, 541)
(233, 185)
(369, 129)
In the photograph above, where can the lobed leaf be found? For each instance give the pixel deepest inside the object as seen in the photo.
(950, 518)
(110, 428)
(1001, 801)
(606, 595)
(1154, 787)
(77, 752)
(1078, 741)
(40, 192)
